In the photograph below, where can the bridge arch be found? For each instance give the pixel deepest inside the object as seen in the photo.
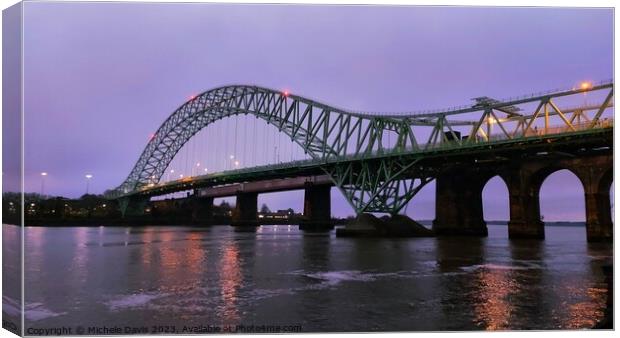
(594, 174)
(496, 185)
(207, 108)
(320, 130)
(558, 187)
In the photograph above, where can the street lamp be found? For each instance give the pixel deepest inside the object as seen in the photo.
(171, 172)
(88, 177)
(585, 85)
(43, 175)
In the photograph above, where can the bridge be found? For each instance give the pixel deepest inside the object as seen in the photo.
(381, 161)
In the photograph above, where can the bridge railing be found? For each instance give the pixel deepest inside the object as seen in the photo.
(532, 132)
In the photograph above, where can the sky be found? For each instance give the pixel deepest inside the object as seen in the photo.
(100, 78)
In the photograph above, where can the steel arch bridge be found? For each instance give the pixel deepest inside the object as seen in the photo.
(344, 141)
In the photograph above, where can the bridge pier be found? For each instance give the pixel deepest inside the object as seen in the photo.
(523, 194)
(599, 226)
(202, 210)
(597, 176)
(317, 208)
(459, 204)
(245, 212)
(132, 206)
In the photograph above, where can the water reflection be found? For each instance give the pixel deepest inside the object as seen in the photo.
(185, 275)
(34, 245)
(230, 281)
(147, 250)
(80, 256)
(591, 298)
(527, 275)
(454, 258)
(492, 308)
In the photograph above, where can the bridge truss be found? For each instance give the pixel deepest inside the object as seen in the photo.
(364, 153)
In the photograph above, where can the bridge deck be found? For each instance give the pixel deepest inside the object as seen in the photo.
(601, 136)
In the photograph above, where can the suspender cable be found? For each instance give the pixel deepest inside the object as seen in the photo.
(253, 141)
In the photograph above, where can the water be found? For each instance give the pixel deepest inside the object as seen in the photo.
(178, 277)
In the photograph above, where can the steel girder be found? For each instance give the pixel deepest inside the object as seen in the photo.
(381, 185)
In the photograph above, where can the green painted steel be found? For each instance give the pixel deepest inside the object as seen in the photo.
(356, 149)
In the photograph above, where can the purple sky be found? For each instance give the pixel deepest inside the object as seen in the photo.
(101, 77)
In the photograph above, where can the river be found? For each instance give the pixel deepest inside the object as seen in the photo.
(175, 279)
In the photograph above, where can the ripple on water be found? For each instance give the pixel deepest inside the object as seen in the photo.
(36, 311)
(132, 301)
(10, 306)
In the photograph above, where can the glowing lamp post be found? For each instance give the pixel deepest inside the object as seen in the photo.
(88, 177)
(586, 85)
(43, 175)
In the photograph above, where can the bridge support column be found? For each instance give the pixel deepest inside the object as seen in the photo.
(458, 207)
(202, 210)
(245, 212)
(599, 225)
(524, 205)
(132, 206)
(596, 174)
(317, 208)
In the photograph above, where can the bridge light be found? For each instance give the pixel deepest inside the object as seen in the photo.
(586, 85)
(232, 156)
(172, 171)
(191, 97)
(285, 93)
(152, 136)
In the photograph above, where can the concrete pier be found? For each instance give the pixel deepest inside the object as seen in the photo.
(458, 207)
(317, 208)
(523, 191)
(202, 210)
(245, 213)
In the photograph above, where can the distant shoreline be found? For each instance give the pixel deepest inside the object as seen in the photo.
(77, 224)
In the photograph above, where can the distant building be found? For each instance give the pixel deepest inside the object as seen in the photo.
(278, 215)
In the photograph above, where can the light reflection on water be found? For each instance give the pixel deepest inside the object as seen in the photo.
(230, 281)
(493, 309)
(279, 275)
